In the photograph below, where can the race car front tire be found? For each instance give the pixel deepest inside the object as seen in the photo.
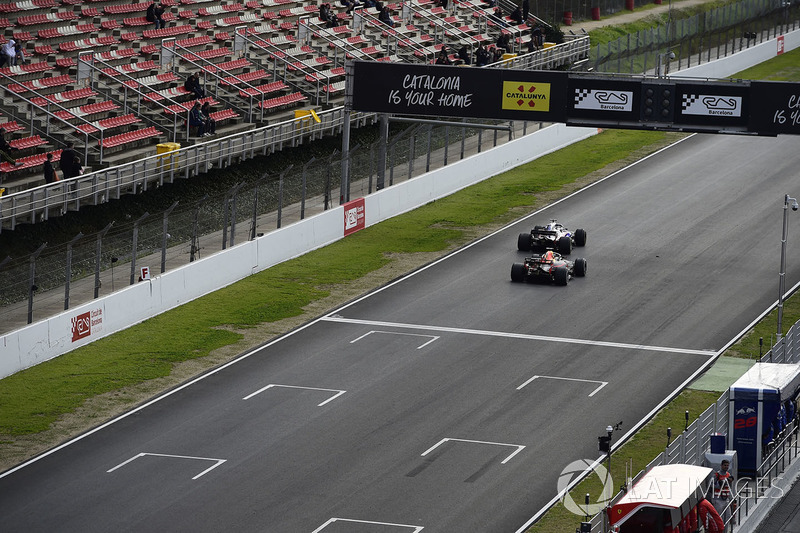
(580, 267)
(524, 242)
(561, 275)
(565, 245)
(580, 237)
(518, 272)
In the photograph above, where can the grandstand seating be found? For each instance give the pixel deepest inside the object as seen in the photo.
(267, 88)
(29, 162)
(86, 110)
(109, 123)
(248, 77)
(28, 142)
(127, 50)
(11, 127)
(282, 101)
(65, 96)
(183, 107)
(130, 137)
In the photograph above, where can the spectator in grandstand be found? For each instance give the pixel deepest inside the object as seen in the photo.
(349, 5)
(77, 166)
(385, 17)
(443, 58)
(516, 15)
(489, 3)
(504, 42)
(192, 84)
(50, 175)
(328, 16)
(497, 55)
(369, 3)
(8, 53)
(6, 149)
(196, 120)
(498, 17)
(465, 55)
(155, 12)
(211, 124)
(67, 161)
(443, 3)
(537, 35)
(19, 55)
(526, 9)
(482, 56)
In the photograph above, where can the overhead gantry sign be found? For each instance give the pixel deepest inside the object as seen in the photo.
(607, 101)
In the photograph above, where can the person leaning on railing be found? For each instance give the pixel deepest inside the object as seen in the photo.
(5, 149)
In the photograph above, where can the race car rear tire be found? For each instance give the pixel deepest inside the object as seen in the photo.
(518, 272)
(580, 267)
(565, 246)
(561, 275)
(524, 242)
(580, 237)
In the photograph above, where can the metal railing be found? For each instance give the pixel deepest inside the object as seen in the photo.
(39, 203)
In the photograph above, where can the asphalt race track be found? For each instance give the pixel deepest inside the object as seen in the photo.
(450, 400)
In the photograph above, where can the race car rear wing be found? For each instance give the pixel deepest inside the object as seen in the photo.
(544, 232)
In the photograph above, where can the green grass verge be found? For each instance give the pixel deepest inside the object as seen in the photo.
(607, 34)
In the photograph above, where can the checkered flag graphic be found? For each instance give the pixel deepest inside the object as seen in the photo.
(580, 95)
(688, 100)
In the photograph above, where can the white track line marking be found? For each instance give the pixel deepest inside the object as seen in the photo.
(337, 318)
(417, 529)
(519, 447)
(602, 383)
(433, 337)
(209, 469)
(259, 391)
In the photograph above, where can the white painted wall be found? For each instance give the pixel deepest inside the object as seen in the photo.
(727, 66)
(52, 337)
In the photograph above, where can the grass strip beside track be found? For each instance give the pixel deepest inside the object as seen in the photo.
(609, 33)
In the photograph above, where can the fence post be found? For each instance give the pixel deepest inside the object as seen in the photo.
(303, 193)
(233, 212)
(447, 142)
(194, 248)
(134, 245)
(164, 237)
(31, 281)
(383, 126)
(428, 157)
(412, 145)
(463, 138)
(68, 273)
(97, 258)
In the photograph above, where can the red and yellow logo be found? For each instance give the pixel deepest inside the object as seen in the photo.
(526, 96)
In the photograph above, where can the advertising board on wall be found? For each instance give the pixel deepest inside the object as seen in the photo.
(354, 216)
(85, 323)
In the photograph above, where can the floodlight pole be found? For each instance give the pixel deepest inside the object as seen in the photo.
(782, 274)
